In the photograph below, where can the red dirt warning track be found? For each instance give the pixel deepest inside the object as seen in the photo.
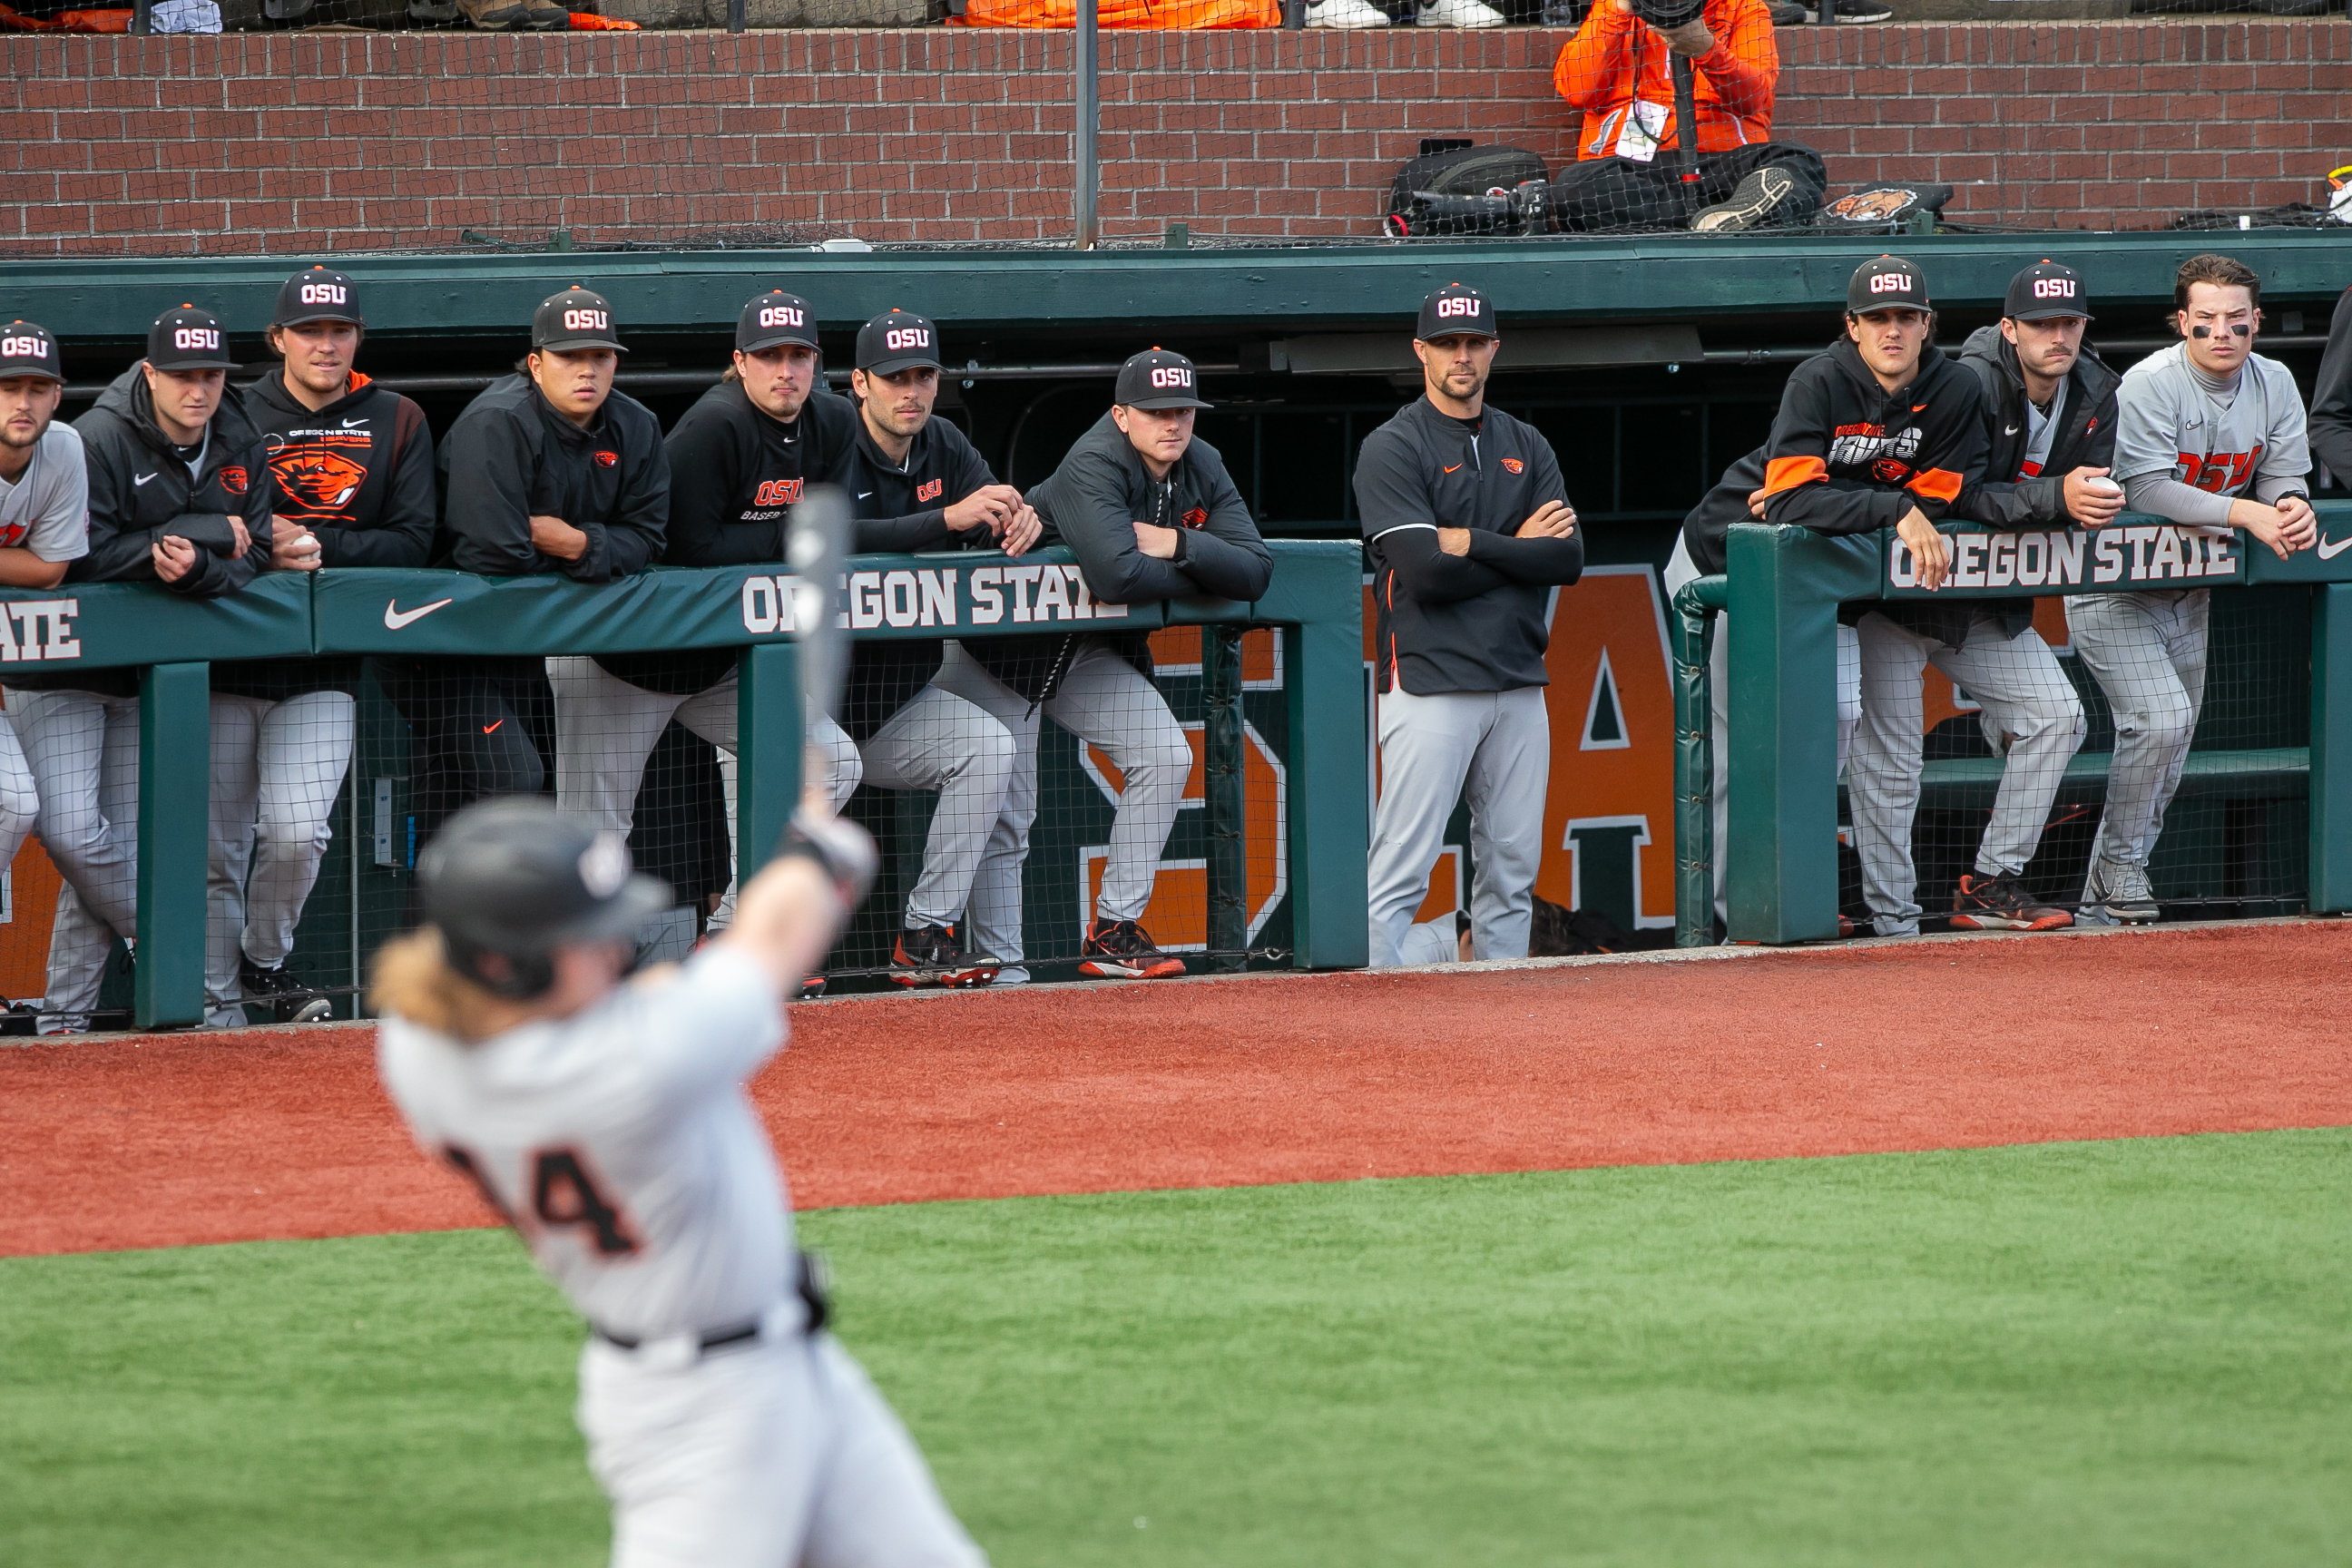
(171, 1141)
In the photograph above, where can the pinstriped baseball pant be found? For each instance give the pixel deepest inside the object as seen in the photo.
(277, 768)
(83, 750)
(2148, 652)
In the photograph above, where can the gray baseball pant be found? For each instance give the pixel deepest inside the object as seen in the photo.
(83, 752)
(1105, 701)
(2147, 651)
(2031, 717)
(942, 741)
(277, 768)
(1680, 570)
(1494, 746)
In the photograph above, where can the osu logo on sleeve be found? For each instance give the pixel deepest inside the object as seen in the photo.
(1196, 517)
(327, 481)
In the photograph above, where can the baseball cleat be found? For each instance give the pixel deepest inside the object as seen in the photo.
(288, 1000)
(2117, 894)
(1122, 950)
(812, 988)
(931, 955)
(1752, 203)
(2002, 903)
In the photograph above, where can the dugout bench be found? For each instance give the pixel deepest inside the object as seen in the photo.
(1782, 592)
(1314, 603)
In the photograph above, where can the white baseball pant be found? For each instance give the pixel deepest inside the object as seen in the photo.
(1105, 701)
(942, 741)
(2031, 717)
(277, 768)
(779, 1454)
(2147, 651)
(605, 728)
(83, 753)
(1494, 746)
(1681, 569)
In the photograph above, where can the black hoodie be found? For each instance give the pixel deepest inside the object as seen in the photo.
(2330, 422)
(357, 474)
(510, 456)
(141, 488)
(736, 471)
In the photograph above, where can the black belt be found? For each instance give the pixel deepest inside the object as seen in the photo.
(709, 1341)
(810, 1282)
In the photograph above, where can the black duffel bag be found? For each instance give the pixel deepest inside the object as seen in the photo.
(1454, 187)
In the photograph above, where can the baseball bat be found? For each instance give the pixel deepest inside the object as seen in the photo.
(817, 538)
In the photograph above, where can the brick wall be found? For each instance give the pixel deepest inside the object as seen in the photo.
(302, 143)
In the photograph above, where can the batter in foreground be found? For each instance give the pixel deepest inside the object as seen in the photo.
(605, 1117)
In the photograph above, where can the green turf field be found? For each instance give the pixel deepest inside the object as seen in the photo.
(2113, 1353)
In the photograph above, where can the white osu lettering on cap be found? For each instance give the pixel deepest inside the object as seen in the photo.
(2053, 288)
(579, 321)
(23, 347)
(779, 316)
(1890, 282)
(1456, 305)
(907, 338)
(195, 338)
(323, 294)
(1170, 375)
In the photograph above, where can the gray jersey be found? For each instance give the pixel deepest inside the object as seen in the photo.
(2249, 442)
(621, 1145)
(46, 509)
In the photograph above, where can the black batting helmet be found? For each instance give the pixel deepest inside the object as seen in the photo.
(507, 881)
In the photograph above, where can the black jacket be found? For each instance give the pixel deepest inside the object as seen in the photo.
(1460, 623)
(510, 456)
(2330, 422)
(357, 475)
(2005, 496)
(1845, 456)
(901, 508)
(735, 472)
(141, 490)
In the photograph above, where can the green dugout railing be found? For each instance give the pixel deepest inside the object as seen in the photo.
(1781, 594)
(1315, 603)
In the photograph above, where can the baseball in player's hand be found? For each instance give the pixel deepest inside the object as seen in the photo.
(989, 507)
(175, 557)
(554, 536)
(1756, 503)
(1553, 520)
(244, 540)
(2298, 524)
(2094, 505)
(1931, 553)
(1454, 541)
(299, 553)
(1023, 531)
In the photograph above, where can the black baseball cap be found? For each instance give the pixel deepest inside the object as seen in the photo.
(576, 319)
(28, 349)
(1884, 283)
(1455, 311)
(2046, 290)
(188, 338)
(772, 320)
(517, 877)
(897, 340)
(317, 295)
(1158, 378)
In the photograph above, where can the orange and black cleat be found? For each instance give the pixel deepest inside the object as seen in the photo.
(2002, 903)
(931, 955)
(1122, 950)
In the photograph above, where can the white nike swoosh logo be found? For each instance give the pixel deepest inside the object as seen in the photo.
(2011, 431)
(862, 494)
(348, 423)
(395, 620)
(143, 478)
(2330, 552)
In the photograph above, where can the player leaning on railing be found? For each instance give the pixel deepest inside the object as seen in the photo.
(1150, 514)
(549, 471)
(2210, 434)
(179, 494)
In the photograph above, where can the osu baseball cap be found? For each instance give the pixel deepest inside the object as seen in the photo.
(896, 341)
(576, 319)
(2046, 290)
(1158, 378)
(317, 295)
(772, 320)
(1887, 281)
(188, 338)
(1455, 311)
(28, 349)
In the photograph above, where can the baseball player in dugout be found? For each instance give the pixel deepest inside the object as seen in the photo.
(1150, 514)
(917, 484)
(1469, 532)
(44, 529)
(1881, 430)
(605, 1118)
(738, 459)
(178, 494)
(2209, 435)
(549, 469)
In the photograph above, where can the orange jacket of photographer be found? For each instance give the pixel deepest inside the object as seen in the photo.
(1615, 70)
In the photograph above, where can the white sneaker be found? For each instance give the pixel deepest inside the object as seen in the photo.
(1344, 14)
(1457, 14)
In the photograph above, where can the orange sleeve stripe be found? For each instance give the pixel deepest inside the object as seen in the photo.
(1936, 484)
(1787, 473)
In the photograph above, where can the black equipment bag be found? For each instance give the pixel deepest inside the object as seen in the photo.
(1456, 188)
